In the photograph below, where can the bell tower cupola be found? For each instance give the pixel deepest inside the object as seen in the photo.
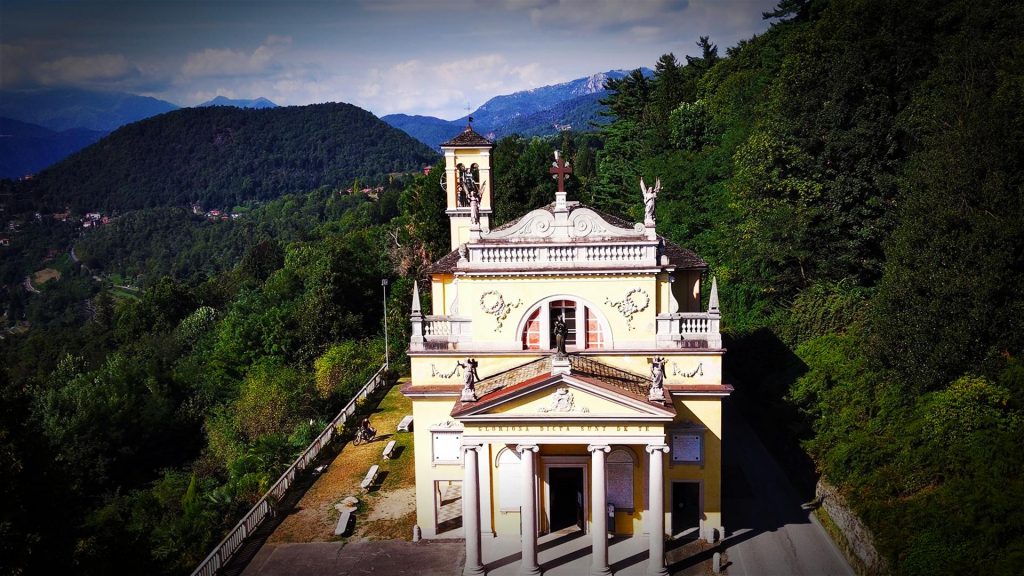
(467, 185)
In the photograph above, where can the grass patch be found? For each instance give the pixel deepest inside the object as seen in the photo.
(387, 511)
(43, 276)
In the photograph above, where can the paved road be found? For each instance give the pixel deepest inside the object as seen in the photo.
(769, 533)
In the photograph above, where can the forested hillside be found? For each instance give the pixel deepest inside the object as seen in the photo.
(132, 438)
(854, 178)
(222, 156)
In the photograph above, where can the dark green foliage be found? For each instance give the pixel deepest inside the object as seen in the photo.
(853, 176)
(222, 156)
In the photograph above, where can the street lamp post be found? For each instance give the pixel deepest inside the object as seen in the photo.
(387, 359)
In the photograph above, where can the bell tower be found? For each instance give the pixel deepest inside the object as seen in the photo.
(467, 185)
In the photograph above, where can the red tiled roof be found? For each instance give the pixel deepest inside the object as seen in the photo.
(494, 388)
(468, 137)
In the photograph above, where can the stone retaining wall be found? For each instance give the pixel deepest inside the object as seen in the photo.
(859, 541)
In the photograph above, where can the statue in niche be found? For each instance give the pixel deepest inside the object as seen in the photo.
(650, 195)
(560, 331)
(469, 380)
(657, 393)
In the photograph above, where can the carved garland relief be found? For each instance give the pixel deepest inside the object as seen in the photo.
(699, 370)
(435, 373)
(636, 300)
(493, 303)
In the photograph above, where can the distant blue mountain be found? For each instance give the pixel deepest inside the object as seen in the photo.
(27, 148)
(62, 109)
(538, 112)
(239, 103)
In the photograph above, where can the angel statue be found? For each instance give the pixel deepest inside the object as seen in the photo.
(657, 379)
(469, 379)
(650, 195)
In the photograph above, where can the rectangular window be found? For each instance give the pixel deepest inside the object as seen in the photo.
(447, 447)
(568, 308)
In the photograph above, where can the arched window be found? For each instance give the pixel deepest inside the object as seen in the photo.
(510, 489)
(619, 473)
(585, 329)
(531, 332)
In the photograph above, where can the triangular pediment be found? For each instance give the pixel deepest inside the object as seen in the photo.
(563, 397)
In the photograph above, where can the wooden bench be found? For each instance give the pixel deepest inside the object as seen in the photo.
(343, 521)
(389, 450)
(406, 424)
(371, 476)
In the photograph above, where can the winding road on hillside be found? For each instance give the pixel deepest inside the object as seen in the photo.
(769, 533)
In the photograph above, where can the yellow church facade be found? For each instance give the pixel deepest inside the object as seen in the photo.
(565, 377)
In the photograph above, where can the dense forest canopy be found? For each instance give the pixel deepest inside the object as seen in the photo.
(853, 177)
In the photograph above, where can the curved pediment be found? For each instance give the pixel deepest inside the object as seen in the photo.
(579, 224)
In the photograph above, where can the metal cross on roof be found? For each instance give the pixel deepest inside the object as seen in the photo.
(560, 168)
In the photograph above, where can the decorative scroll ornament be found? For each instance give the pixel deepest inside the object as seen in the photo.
(493, 303)
(563, 401)
(636, 300)
(582, 223)
(435, 373)
(699, 370)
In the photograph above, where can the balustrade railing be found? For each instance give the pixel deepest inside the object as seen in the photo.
(687, 329)
(439, 332)
(263, 509)
(485, 256)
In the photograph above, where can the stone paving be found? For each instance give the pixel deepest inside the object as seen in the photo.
(381, 557)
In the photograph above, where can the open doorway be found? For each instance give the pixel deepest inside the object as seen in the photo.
(565, 504)
(448, 505)
(686, 509)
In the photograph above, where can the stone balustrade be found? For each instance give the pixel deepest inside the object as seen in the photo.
(440, 332)
(689, 330)
(482, 256)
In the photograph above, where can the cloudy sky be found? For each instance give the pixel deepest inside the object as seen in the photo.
(431, 57)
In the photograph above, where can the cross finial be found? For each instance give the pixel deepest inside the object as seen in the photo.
(560, 169)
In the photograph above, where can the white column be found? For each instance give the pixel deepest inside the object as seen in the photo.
(529, 566)
(656, 509)
(471, 512)
(598, 511)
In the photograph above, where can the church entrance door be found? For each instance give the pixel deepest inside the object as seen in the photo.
(686, 508)
(566, 503)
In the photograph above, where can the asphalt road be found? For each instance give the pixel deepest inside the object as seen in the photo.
(769, 533)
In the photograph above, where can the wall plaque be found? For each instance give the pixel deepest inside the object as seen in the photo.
(687, 447)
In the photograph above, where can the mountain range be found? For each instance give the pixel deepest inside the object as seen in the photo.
(538, 112)
(27, 148)
(41, 127)
(239, 102)
(66, 108)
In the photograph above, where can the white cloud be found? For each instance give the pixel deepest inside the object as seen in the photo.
(215, 62)
(599, 15)
(85, 70)
(446, 88)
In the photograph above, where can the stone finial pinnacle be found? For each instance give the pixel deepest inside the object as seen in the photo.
(713, 299)
(415, 298)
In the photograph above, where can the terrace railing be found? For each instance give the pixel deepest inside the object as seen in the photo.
(264, 508)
